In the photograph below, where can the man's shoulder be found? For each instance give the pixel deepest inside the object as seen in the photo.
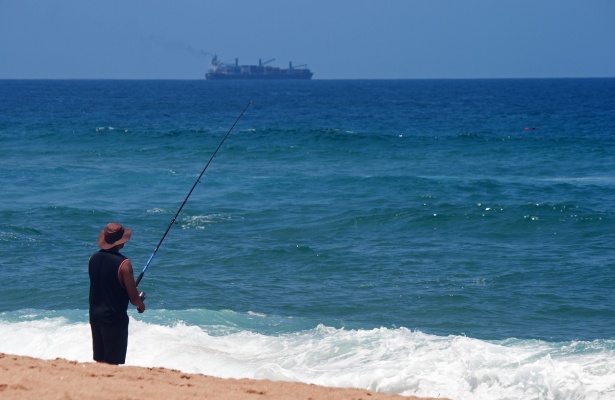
(107, 254)
(96, 254)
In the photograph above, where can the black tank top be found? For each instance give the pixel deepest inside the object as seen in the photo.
(108, 299)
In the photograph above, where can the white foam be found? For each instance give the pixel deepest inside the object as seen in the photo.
(387, 360)
(47, 338)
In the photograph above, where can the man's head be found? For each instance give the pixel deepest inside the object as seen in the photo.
(113, 235)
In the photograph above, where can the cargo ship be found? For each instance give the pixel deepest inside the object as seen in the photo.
(220, 70)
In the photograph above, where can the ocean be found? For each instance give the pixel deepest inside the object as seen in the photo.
(444, 238)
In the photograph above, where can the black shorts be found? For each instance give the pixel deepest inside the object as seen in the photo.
(109, 342)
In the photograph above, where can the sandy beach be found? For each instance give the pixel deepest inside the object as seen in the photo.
(31, 378)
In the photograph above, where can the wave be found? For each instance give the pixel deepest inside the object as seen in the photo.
(397, 361)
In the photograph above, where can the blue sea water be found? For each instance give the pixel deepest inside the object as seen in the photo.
(448, 238)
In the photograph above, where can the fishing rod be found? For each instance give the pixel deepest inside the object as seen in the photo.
(186, 199)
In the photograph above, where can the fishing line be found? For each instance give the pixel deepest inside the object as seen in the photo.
(189, 193)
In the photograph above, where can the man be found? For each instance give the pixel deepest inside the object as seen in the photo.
(112, 285)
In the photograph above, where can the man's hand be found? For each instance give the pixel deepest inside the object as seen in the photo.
(141, 307)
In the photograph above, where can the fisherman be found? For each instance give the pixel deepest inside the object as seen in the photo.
(112, 285)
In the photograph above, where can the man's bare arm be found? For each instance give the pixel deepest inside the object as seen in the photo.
(131, 288)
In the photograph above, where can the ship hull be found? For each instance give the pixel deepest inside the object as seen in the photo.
(225, 76)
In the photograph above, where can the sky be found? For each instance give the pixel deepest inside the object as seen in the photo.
(337, 39)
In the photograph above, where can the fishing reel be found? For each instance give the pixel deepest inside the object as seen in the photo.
(143, 296)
